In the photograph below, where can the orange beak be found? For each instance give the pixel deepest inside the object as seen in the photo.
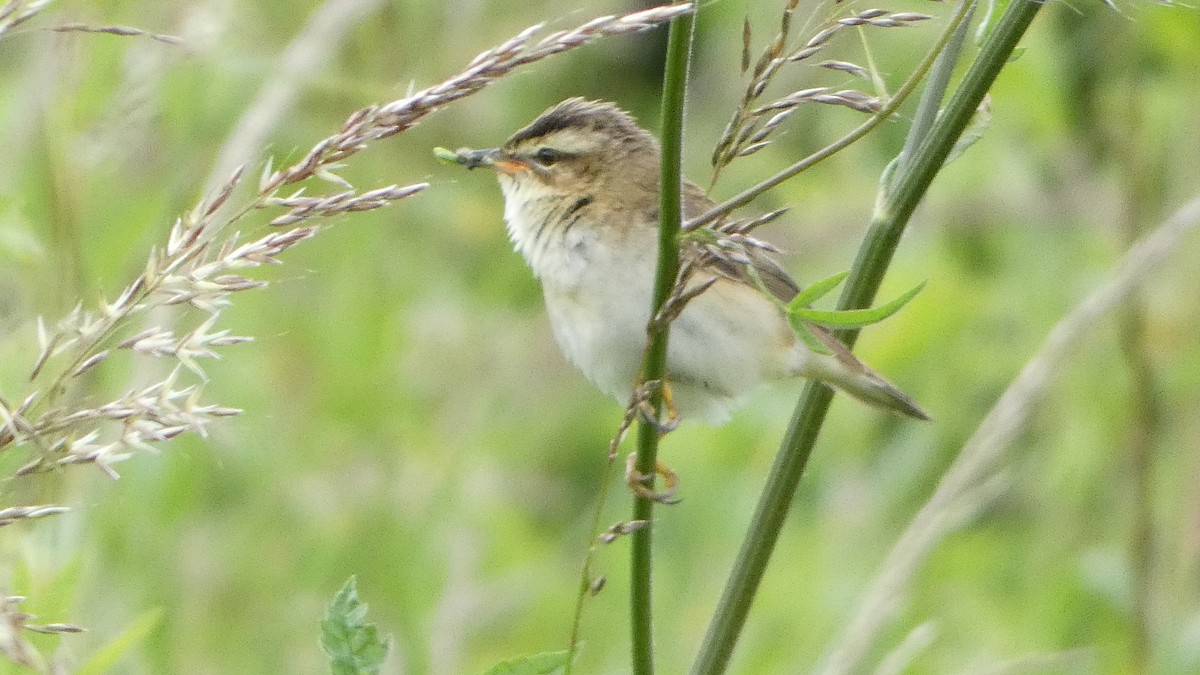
(510, 166)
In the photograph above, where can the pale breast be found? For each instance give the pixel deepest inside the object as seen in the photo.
(599, 311)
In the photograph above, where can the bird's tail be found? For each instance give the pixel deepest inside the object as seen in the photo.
(843, 371)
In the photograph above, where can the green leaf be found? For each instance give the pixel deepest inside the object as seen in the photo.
(50, 589)
(802, 331)
(980, 121)
(545, 663)
(855, 318)
(700, 235)
(987, 24)
(107, 656)
(816, 291)
(353, 645)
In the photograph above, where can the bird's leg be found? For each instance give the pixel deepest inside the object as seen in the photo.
(642, 485)
(649, 414)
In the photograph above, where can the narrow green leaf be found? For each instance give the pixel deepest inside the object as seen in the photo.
(980, 121)
(992, 11)
(855, 318)
(807, 336)
(104, 659)
(816, 291)
(51, 592)
(802, 331)
(354, 646)
(545, 663)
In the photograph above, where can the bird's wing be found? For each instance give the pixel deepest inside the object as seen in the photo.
(850, 374)
(777, 281)
(773, 277)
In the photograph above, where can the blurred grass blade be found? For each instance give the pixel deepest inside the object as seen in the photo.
(353, 645)
(992, 9)
(545, 663)
(107, 656)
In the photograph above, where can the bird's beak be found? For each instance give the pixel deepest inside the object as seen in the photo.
(493, 157)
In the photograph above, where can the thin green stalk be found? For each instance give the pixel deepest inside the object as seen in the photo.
(679, 48)
(585, 571)
(872, 262)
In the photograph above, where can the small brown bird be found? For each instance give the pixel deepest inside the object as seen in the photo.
(581, 191)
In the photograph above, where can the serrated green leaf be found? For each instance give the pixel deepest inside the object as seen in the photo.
(855, 318)
(545, 663)
(817, 291)
(354, 647)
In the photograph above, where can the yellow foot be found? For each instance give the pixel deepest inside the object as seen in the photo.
(669, 404)
(642, 484)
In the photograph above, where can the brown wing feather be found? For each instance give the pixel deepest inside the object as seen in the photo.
(777, 281)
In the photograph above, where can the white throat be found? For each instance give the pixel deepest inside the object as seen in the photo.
(546, 229)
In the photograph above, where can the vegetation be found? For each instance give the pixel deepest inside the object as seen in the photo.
(405, 418)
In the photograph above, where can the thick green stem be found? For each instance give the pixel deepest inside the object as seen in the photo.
(869, 268)
(916, 175)
(679, 47)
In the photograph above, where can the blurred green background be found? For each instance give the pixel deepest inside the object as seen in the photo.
(408, 418)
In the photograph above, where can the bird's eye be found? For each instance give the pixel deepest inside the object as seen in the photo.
(547, 156)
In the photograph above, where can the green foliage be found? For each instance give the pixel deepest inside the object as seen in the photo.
(107, 657)
(545, 663)
(353, 645)
(408, 416)
(850, 318)
(816, 291)
(800, 314)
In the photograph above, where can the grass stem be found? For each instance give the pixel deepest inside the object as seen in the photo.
(679, 47)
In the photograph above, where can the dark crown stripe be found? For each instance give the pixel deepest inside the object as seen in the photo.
(576, 113)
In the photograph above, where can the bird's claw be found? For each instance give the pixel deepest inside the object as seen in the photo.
(641, 484)
(650, 416)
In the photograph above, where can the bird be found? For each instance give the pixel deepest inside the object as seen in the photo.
(581, 206)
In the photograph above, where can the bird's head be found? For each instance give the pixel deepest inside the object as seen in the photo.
(577, 147)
